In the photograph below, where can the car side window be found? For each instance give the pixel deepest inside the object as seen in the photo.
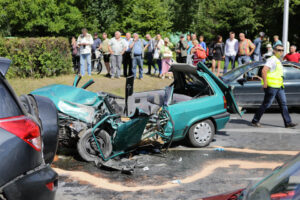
(290, 72)
(254, 74)
(8, 106)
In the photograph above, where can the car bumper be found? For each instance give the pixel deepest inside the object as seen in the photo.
(33, 185)
(221, 120)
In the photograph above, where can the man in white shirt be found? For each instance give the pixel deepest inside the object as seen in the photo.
(127, 61)
(117, 47)
(231, 49)
(85, 42)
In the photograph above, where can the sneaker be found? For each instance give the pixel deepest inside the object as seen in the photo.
(290, 125)
(257, 124)
(107, 75)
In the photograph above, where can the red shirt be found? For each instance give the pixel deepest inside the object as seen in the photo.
(295, 57)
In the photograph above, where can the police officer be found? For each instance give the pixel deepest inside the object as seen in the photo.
(272, 74)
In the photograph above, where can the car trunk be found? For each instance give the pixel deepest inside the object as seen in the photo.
(203, 89)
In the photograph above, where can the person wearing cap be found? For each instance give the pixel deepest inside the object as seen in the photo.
(257, 42)
(269, 52)
(95, 51)
(181, 50)
(272, 81)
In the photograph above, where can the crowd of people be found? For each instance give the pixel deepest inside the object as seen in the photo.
(132, 50)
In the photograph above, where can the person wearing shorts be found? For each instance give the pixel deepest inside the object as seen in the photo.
(106, 53)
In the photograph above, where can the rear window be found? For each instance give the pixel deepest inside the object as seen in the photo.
(8, 106)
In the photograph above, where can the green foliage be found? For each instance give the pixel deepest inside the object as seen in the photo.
(37, 57)
(40, 17)
(27, 18)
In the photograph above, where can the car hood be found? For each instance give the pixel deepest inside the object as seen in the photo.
(4, 65)
(76, 102)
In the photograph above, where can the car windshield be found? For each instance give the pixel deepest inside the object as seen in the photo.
(282, 183)
(233, 74)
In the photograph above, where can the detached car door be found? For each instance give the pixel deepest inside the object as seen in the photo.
(291, 73)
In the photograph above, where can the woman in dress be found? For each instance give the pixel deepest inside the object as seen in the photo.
(218, 55)
(166, 55)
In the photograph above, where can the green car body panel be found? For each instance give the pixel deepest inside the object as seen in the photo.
(82, 104)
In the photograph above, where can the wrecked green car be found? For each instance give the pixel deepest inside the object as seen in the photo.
(102, 125)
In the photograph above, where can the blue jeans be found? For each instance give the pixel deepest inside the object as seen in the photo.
(150, 62)
(244, 59)
(83, 58)
(227, 60)
(137, 60)
(256, 57)
(270, 95)
(159, 66)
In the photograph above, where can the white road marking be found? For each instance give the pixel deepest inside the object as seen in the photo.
(263, 130)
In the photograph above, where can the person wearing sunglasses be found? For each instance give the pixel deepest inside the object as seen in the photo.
(272, 75)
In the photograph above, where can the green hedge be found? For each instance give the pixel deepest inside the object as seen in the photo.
(37, 57)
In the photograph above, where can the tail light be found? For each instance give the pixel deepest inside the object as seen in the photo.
(24, 128)
(50, 186)
(225, 102)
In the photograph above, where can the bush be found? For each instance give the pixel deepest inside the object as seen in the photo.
(37, 57)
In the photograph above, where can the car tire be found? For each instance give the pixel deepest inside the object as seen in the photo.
(201, 133)
(87, 147)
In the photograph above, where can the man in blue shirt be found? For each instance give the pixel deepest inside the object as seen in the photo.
(95, 46)
(137, 54)
(276, 41)
(149, 54)
(257, 42)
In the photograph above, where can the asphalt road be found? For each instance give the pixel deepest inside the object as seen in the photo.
(247, 155)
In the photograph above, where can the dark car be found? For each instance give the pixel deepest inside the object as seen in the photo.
(282, 184)
(28, 143)
(247, 88)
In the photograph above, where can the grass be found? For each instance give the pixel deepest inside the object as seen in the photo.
(115, 86)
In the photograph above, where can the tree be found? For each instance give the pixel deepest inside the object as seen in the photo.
(41, 18)
(147, 16)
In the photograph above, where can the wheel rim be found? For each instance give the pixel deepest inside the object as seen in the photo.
(202, 132)
(91, 147)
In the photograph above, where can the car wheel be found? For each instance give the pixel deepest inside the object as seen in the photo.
(88, 149)
(201, 133)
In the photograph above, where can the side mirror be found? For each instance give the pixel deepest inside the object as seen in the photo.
(241, 81)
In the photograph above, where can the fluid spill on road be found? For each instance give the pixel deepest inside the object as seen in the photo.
(209, 168)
